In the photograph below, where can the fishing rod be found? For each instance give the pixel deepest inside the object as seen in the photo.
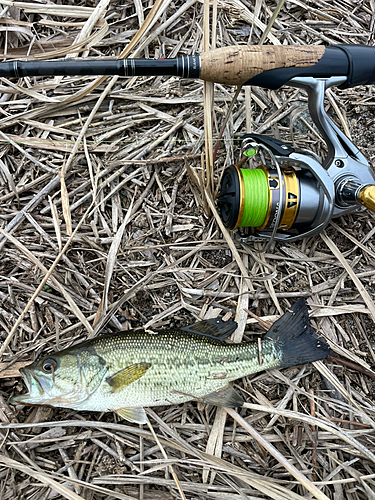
(295, 193)
(269, 66)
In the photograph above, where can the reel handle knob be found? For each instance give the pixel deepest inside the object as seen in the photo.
(366, 197)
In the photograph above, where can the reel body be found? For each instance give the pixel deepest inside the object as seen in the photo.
(295, 194)
(296, 201)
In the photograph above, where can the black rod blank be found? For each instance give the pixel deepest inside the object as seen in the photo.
(185, 66)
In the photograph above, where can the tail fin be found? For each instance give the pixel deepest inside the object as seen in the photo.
(299, 342)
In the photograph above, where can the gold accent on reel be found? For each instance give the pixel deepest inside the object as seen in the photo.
(366, 197)
(242, 197)
(291, 197)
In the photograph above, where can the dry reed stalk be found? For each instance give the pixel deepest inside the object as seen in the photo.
(208, 98)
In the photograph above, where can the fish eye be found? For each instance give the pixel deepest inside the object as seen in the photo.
(49, 365)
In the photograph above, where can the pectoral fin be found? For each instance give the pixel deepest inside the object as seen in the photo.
(127, 376)
(226, 396)
(136, 415)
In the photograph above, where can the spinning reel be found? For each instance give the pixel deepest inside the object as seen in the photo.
(296, 194)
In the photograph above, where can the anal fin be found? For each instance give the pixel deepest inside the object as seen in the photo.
(226, 396)
(136, 415)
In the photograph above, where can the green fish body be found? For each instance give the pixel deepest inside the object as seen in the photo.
(128, 371)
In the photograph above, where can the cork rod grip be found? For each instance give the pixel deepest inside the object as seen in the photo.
(235, 65)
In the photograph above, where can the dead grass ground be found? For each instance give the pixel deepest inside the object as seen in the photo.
(121, 145)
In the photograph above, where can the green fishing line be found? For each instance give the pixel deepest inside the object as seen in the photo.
(255, 197)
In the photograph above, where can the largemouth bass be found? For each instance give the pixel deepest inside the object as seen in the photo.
(128, 371)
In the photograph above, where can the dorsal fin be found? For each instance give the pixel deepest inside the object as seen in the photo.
(215, 328)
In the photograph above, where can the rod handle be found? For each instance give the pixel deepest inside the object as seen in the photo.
(237, 64)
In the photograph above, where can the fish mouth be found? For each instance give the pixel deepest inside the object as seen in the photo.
(40, 391)
(34, 387)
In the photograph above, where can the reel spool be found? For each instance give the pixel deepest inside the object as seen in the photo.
(251, 198)
(290, 197)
